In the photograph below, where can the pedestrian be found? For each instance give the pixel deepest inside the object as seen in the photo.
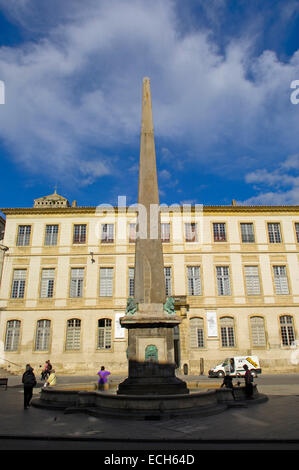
(228, 383)
(44, 373)
(103, 374)
(49, 368)
(29, 382)
(51, 381)
(248, 382)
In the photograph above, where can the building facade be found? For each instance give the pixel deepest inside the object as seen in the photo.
(233, 271)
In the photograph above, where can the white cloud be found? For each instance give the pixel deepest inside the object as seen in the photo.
(285, 185)
(79, 87)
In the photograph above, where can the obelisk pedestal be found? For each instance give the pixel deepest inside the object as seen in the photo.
(150, 327)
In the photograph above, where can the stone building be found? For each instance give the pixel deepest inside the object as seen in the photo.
(233, 271)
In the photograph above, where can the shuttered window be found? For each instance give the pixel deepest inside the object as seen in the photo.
(194, 280)
(247, 233)
(73, 333)
(12, 335)
(106, 282)
(24, 232)
(165, 233)
(274, 233)
(131, 282)
(297, 231)
(191, 232)
(252, 280)
(42, 341)
(104, 333)
(51, 235)
(219, 232)
(168, 287)
(281, 280)
(107, 233)
(77, 280)
(258, 334)
(223, 281)
(227, 332)
(18, 284)
(196, 333)
(132, 233)
(47, 283)
(287, 330)
(79, 234)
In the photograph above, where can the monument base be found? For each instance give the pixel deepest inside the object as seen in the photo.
(151, 353)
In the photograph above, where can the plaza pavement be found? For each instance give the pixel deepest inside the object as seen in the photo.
(273, 423)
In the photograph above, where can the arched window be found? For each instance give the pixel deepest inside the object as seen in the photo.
(73, 332)
(42, 340)
(287, 330)
(196, 333)
(104, 333)
(12, 335)
(227, 332)
(258, 334)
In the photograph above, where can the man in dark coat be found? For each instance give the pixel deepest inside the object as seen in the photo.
(29, 382)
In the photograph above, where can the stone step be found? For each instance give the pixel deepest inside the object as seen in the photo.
(6, 373)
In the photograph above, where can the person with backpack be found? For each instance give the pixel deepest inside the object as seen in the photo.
(29, 381)
(248, 382)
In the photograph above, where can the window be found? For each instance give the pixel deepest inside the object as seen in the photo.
(18, 284)
(51, 235)
(223, 282)
(77, 279)
(104, 333)
(274, 233)
(107, 233)
(227, 332)
(196, 333)
(247, 233)
(194, 280)
(252, 280)
(131, 282)
(132, 233)
(219, 232)
(106, 282)
(167, 274)
(24, 232)
(73, 334)
(287, 330)
(42, 341)
(47, 283)
(79, 234)
(191, 232)
(12, 335)
(297, 231)
(165, 233)
(258, 332)
(281, 280)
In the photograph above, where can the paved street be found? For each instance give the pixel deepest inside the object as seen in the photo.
(273, 424)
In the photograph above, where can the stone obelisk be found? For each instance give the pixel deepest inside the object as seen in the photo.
(150, 326)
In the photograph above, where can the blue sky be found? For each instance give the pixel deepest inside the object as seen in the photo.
(220, 70)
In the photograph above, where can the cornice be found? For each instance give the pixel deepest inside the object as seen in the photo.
(164, 209)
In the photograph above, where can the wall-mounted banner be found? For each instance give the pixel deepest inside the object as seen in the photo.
(212, 324)
(119, 332)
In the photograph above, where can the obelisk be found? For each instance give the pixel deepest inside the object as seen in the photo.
(150, 327)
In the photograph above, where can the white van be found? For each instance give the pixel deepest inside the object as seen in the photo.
(234, 366)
